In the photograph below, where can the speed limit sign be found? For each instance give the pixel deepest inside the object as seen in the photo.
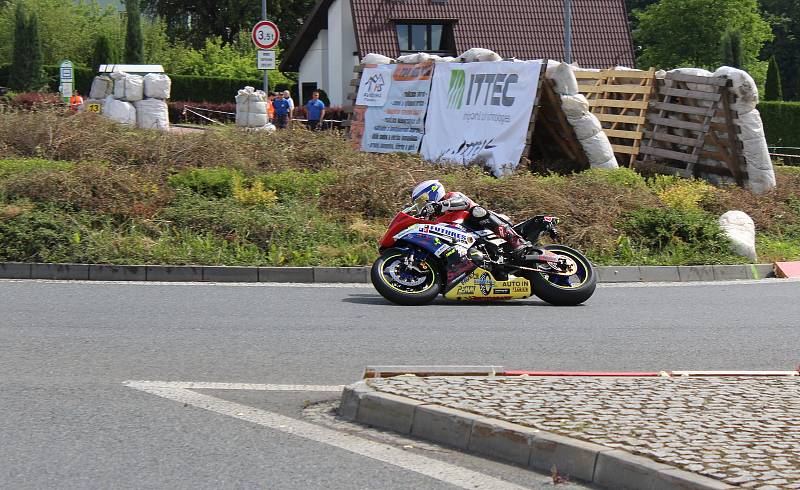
(265, 35)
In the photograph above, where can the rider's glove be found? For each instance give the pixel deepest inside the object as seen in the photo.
(433, 208)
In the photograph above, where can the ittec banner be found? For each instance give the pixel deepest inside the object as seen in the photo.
(480, 112)
(399, 123)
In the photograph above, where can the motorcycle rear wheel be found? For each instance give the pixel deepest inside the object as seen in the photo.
(404, 285)
(561, 290)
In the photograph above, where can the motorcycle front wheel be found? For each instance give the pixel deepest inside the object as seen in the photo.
(560, 288)
(404, 282)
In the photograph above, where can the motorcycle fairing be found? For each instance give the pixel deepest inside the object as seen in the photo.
(436, 239)
(480, 285)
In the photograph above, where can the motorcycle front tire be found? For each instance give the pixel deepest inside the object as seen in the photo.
(558, 295)
(396, 295)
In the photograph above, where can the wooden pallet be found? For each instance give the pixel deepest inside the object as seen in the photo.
(691, 130)
(619, 99)
(554, 138)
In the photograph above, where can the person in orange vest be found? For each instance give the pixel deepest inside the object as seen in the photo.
(270, 109)
(75, 101)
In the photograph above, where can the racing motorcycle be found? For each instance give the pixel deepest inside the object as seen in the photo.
(423, 256)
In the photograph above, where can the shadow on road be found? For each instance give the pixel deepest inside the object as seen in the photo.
(374, 299)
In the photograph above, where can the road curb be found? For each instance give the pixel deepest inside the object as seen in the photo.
(354, 275)
(544, 451)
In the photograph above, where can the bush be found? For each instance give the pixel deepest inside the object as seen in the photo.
(293, 183)
(36, 236)
(679, 236)
(213, 182)
(781, 122)
(213, 89)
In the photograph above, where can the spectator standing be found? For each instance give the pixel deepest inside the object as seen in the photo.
(281, 106)
(288, 97)
(270, 108)
(315, 109)
(75, 101)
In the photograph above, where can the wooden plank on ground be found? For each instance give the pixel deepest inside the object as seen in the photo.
(684, 109)
(631, 74)
(628, 150)
(619, 104)
(677, 123)
(621, 119)
(671, 138)
(623, 89)
(623, 133)
(681, 77)
(690, 94)
(673, 155)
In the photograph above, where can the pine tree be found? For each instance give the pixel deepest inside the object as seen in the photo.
(773, 89)
(35, 53)
(134, 42)
(20, 69)
(102, 53)
(26, 66)
(732, 48)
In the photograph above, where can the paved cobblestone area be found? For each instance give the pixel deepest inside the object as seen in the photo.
(744, 430)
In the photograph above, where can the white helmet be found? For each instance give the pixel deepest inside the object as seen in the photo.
(428, 191)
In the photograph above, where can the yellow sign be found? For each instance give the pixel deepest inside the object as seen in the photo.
(481, 285)
(94, 108)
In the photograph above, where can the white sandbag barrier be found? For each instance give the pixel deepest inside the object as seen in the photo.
(128, 87)
(157, 86)
(741, 230)
(119, 110)
(251, 108)
(102, 87)
(135, 99)
(152, 114)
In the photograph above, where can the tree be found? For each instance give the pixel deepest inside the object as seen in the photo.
(732, 49)
(26, 68)
(784, 16)
(134, 44)
(773, 90)
(35, 52)
(103, 52)
(676, 33)
(226, 18)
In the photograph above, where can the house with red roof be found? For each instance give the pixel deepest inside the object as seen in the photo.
(338, 33)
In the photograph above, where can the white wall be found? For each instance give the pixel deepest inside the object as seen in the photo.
(330, 60)
(314, 65)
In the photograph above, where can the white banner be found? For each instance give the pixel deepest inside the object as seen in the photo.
(480, 112)
(374, 87)
(398, 125)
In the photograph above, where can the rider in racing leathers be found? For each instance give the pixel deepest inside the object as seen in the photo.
(435, 201)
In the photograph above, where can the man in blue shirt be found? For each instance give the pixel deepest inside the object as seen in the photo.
(315, 109)
(281, 107)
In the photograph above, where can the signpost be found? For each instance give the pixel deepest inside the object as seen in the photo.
(66, 79)
(265, 36)
(266, 59)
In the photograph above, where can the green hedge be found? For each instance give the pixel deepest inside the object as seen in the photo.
(781, 122)
(184, 87)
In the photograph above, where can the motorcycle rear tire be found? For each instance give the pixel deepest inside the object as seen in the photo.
(394, 294)
(559, 295)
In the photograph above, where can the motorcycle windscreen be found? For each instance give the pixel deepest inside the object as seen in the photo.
(481, 285)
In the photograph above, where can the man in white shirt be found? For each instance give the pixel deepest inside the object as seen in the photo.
(287, 96)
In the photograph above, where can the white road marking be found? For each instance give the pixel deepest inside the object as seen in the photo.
(203, 385)
(369, 286)
(182, 392)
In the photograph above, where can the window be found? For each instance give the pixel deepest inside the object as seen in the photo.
(425, 37)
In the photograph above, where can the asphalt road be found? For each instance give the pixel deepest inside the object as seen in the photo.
(67, 420)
